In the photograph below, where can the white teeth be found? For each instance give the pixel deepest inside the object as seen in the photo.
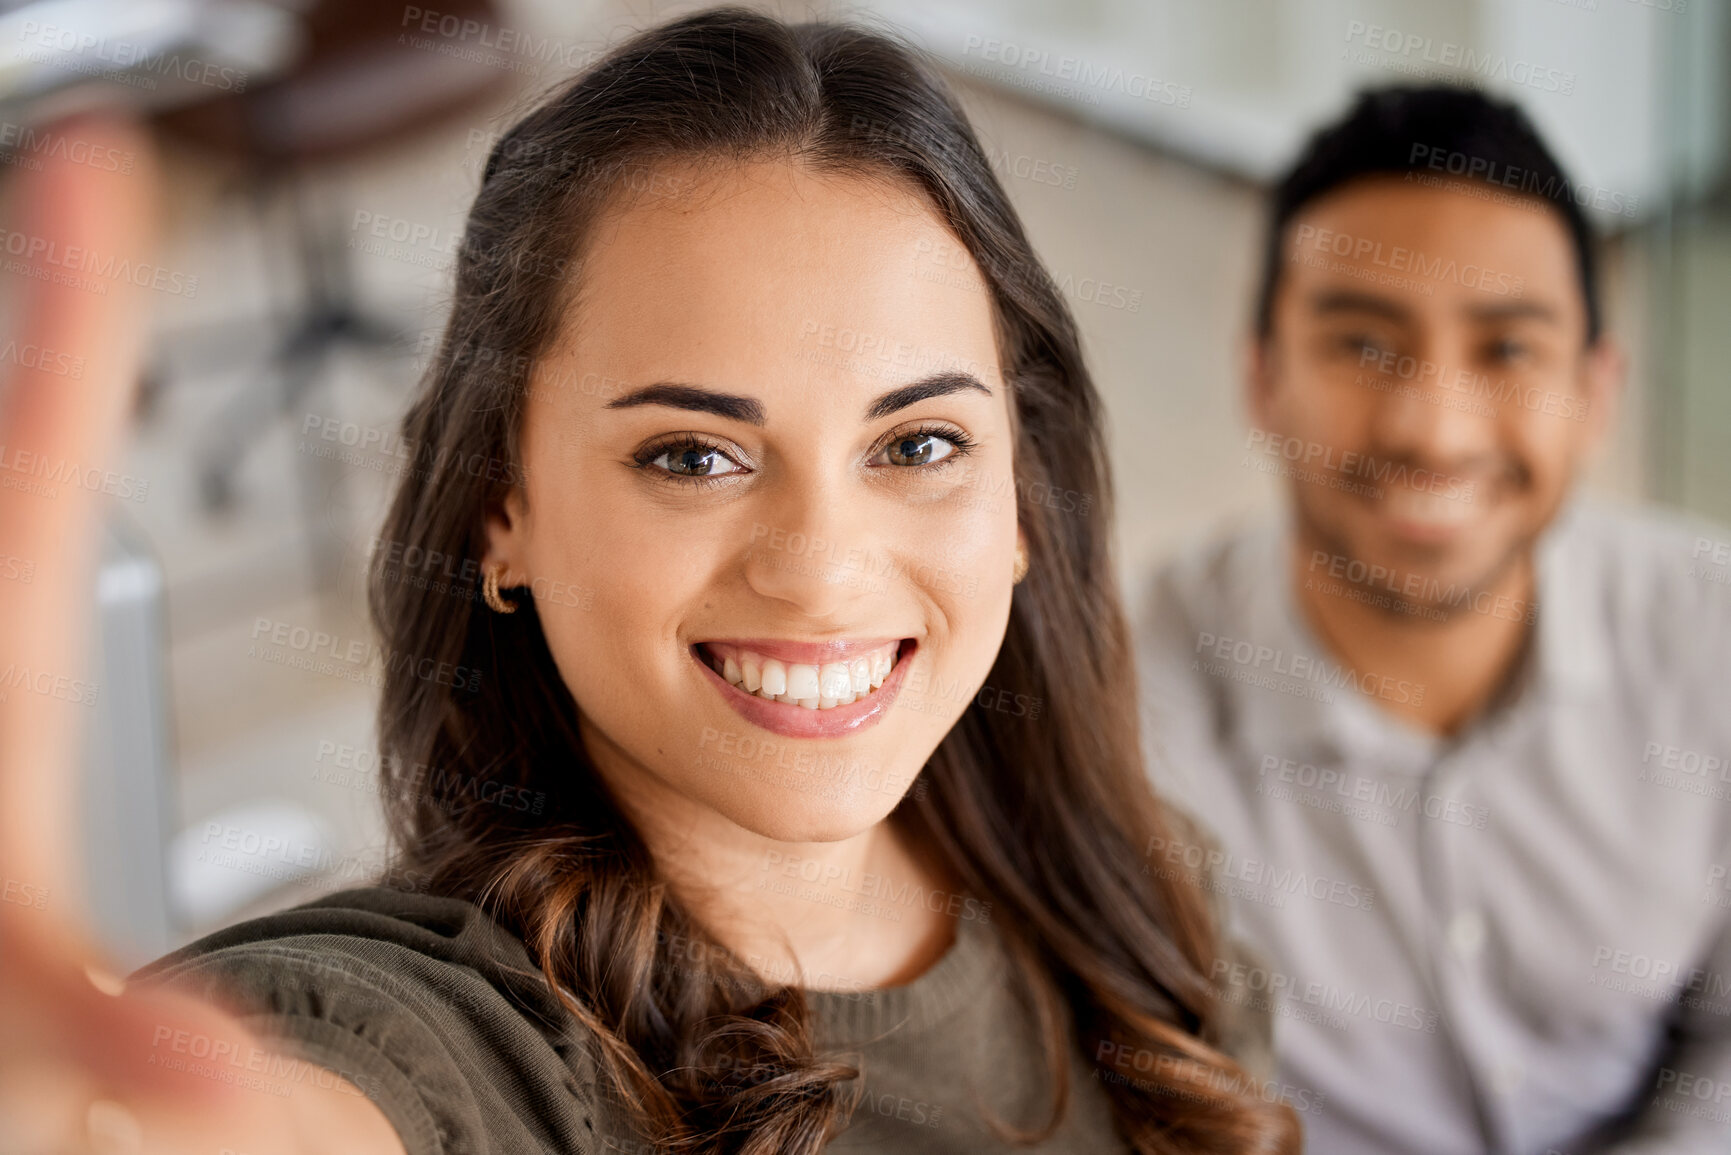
(802, 681)
(813, 687)
(774, 679)
(833, 680)
(1430, 508)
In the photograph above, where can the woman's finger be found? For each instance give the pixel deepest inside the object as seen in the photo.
(76, 240)
(143, 1044)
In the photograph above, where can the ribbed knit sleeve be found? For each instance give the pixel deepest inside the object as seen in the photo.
(422, 1003)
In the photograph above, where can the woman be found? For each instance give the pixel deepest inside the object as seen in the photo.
(785, 794)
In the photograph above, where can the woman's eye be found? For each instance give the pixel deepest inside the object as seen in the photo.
(918, 449)
(695, 461)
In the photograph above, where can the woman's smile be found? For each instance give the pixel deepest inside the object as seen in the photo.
(807, 689)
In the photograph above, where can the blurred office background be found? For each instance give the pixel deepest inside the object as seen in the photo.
(315, 212)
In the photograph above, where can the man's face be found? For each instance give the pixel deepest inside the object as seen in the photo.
(1426, 383)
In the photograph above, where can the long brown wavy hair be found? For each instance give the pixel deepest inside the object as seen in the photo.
(1049, 821)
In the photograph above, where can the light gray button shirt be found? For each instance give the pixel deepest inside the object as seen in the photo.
(1515, 940)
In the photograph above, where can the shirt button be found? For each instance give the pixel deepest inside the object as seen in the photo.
(1467, 933)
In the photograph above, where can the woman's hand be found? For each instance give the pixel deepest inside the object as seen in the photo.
(83, 1065)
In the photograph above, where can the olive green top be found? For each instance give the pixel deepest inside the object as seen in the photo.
(437, 1014)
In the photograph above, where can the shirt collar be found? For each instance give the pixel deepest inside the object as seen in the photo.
(1294, 717)
(1571, 647)
(1570, 654)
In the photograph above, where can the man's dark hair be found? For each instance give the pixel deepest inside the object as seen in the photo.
(1445, 130)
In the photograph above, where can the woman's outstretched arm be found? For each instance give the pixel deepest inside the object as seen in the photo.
(84, 1064)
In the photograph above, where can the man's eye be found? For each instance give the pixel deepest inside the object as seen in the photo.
(1507, 350)
(695, 461)
(918, 449)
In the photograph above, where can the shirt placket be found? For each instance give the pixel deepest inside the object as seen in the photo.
(1481, 1034)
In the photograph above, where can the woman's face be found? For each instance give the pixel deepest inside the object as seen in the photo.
(768, 514)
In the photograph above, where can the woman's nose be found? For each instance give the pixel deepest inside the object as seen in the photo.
(815, 549)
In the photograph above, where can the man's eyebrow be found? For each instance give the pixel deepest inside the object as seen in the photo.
(698, 400)
(1347, 301)
(1515, 311)
(936, 385)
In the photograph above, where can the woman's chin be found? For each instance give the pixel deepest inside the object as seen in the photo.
(790, 814)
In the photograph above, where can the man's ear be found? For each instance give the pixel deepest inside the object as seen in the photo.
(1261, 371)
(507, 525)
(1604, 372)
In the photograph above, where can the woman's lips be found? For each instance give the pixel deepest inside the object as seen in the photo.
(848, 689)
(819, 677)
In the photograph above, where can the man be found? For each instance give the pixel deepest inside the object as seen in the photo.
(1463, 734)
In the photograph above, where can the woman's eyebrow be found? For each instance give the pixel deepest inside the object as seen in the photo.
(936, 385)
(677, 396)
(750, 410)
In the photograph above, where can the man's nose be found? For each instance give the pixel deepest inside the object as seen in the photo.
(1423, 416)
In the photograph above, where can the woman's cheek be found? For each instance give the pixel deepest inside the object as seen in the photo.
(967, 584)
(594, 608)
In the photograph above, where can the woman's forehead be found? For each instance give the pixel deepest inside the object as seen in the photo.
(772, 274)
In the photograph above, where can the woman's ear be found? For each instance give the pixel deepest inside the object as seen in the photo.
(507, 536)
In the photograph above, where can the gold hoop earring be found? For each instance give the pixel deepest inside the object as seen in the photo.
(490, 592)
(1021, 565)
